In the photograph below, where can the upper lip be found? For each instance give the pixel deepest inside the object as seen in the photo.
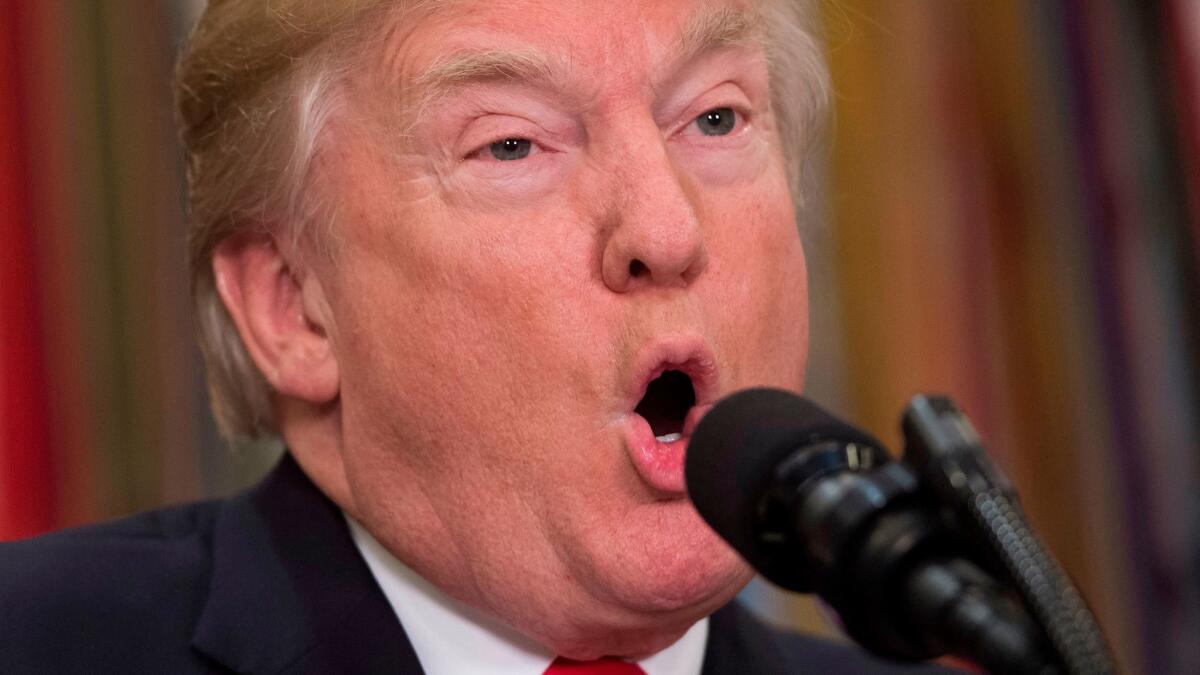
(688, 355)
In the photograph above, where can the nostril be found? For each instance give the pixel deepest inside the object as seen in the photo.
(637, 268)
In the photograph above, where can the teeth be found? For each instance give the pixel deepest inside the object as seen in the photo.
(669, 438)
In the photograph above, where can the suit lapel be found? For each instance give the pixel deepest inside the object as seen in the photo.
(289, 591)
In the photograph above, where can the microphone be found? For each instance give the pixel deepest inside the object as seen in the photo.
(816, 505)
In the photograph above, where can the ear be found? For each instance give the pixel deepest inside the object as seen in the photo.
(282, 319)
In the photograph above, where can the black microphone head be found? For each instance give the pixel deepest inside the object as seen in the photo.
(732, 460)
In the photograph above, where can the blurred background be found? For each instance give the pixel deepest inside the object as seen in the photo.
(1010, 215)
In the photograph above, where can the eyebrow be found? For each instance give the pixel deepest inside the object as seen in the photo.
(459, 69)
(718, 27)
(711, 29)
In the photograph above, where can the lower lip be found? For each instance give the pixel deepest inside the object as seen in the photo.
(660, 464)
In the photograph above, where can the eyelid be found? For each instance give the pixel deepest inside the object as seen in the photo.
(490, 126)
(727, 94)
(693, 98)
(495, 133)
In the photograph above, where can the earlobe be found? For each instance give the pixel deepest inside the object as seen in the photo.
(283, 320)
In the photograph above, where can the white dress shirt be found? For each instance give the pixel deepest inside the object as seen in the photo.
(451, 638)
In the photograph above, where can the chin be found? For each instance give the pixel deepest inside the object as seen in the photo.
(698, 584)
(670, 564)
(656, 607)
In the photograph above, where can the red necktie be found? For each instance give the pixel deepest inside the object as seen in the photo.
(604, 666)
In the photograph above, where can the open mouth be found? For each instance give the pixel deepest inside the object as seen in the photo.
(665, 406)
(672, 385)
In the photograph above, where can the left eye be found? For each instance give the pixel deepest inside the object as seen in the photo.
(717, 122)
(510, 149)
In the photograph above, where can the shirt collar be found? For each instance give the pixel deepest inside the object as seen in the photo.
(441, 628)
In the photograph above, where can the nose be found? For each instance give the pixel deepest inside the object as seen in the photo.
(655, 238)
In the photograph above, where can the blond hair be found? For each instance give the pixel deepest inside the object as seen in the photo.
(255, 85)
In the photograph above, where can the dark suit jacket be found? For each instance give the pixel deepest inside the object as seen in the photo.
(266, 582)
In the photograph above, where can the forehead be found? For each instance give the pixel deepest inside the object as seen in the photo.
(463, 40)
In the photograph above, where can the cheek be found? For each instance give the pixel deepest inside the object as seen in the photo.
(467, 320)
(759, 271)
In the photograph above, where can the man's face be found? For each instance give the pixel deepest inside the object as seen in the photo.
(541, 208)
